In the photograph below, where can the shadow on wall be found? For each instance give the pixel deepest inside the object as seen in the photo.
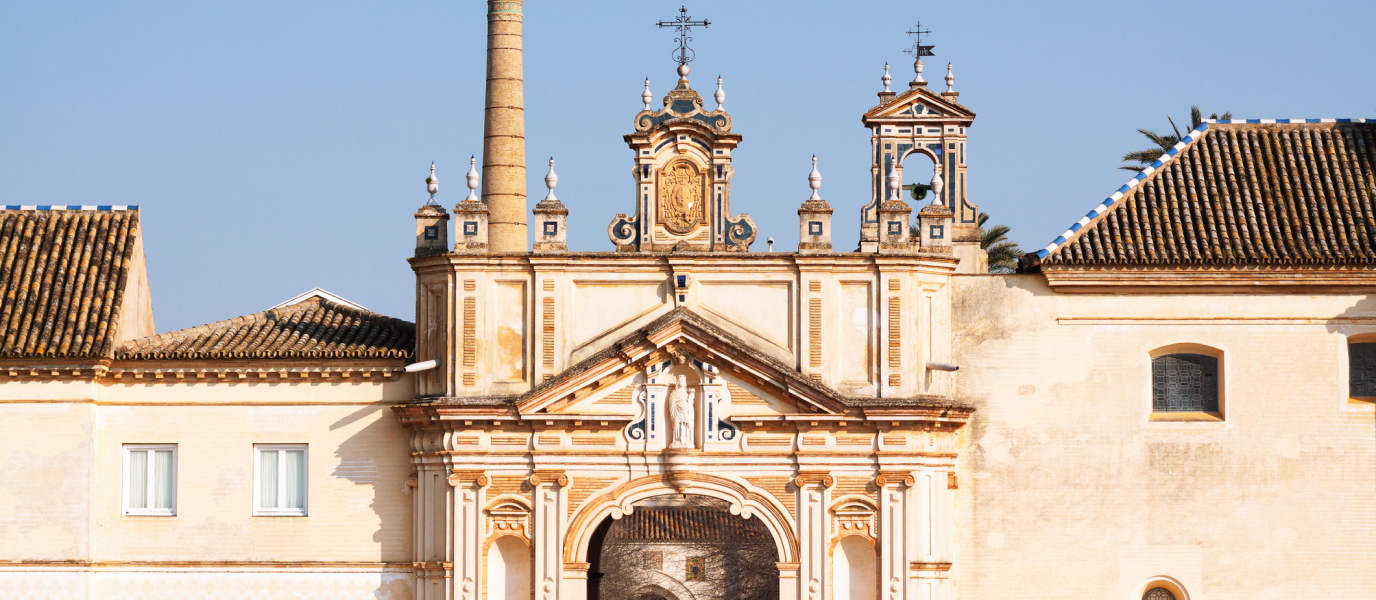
(376, 455)
(1349, 322)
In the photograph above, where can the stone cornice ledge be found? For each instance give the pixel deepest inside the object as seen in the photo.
(1210, 280)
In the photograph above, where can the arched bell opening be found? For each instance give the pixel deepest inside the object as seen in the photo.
(917, 169)
(683, 547)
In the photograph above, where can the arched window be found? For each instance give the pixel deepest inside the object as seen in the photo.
(1158, 594)
(1184, 383)
(1361, 370)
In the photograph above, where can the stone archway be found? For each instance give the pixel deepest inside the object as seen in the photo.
(683, 547)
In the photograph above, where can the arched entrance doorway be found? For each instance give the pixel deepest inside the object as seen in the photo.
(683, 547)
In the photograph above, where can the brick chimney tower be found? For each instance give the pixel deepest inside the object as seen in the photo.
(504, 130)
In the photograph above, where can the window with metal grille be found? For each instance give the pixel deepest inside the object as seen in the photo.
(1158, 594)
(1361, 370)
(1184, 383)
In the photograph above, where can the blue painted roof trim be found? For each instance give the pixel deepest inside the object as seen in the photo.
(100, 207)
(1156, 165)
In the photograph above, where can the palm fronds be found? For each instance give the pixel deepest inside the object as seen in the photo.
(1142, 158)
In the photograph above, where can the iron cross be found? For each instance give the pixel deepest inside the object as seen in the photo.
(684, 24)
(918, 50)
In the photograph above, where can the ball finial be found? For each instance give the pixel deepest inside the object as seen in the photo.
(683, 72)
(814, 179)
(551, 181)
(472, 179)
(432, 183)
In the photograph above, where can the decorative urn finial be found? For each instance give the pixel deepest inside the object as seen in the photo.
(895, 183)
(647, 97)
(950, 79)
(432, 184)
(472, 180)
(886, 78)
(937, 185)
(551, 181)
(917, 68)
(814, 179)
(683, 74)
(720, 96)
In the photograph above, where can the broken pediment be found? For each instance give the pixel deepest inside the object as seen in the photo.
(919, 104)
(681, 343)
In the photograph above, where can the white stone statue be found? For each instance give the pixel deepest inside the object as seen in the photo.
(681, 403)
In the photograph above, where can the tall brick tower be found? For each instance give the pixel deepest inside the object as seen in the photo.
(504, 130)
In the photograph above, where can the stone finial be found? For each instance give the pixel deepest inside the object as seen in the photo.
(814, 218)
(551, 181)
(471, 216)
(887, 79)
(432, 222)
(895, 183)
(551, 219)
(646, 96)
(720, 96)
(950, 79)
(814, 179)
(937, 185)
(917, 68)
(432, 184)
(473, 179)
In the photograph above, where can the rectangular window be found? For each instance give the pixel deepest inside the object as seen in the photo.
(150, 480)
(279, 482)
(1184, 383)
(1361, 371)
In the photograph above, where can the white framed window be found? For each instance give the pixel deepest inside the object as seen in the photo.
(150, 480)
(279, 480)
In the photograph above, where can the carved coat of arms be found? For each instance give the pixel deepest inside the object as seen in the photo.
(680, 198)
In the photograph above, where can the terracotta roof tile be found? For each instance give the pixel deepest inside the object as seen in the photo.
(314, 328)
(1245, 194)
(62, 278)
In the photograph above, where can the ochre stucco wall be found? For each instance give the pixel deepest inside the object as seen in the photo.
(60, 491)
(1067, 490)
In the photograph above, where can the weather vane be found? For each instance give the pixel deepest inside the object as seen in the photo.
(918, 50)
(684, 24)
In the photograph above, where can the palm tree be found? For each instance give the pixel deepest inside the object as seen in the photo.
(1164, 142)
(1003, 252)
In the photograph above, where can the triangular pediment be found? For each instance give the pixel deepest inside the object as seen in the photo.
(930, 105)
(604, 384)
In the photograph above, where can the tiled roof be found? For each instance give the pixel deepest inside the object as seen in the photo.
(1280, 192)
(64, 276)
(314, 328)
(686, 524)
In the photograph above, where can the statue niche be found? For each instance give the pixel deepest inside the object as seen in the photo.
(681, 405)
(682, 194)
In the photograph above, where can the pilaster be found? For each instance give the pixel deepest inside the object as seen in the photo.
(468, 531)
(814, 532)
(894, 488)
(550, 500)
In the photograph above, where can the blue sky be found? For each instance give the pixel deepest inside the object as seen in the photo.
(279, 146)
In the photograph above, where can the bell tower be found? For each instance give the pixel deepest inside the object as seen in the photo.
(914, 125)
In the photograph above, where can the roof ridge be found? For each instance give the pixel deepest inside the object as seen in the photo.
(1283, 121)
(244, 336)
(1132, 183)
(74, 207)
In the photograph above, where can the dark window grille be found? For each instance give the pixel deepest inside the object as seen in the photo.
(1184, 383)
(1361, 370)
(1158, 594)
